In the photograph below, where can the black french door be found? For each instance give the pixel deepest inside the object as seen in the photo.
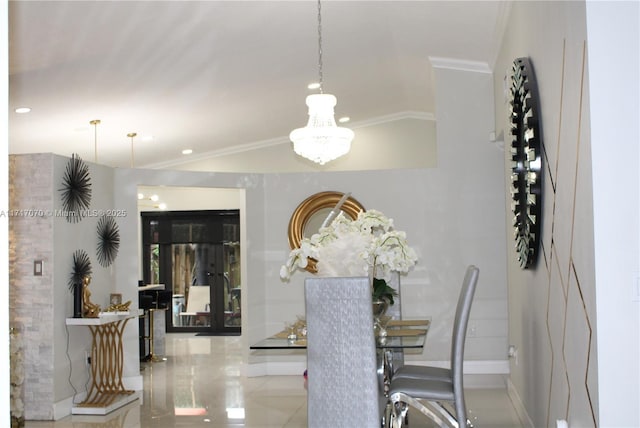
(196, 255)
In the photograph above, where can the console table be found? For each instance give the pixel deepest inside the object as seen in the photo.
(106, 392)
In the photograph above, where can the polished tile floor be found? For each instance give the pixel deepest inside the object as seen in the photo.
(200, 385)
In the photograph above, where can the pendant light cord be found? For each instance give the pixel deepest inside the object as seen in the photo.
(95, 123)
(320, 45)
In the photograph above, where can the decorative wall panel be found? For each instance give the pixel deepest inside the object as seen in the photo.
(556, 372)
(31, 297)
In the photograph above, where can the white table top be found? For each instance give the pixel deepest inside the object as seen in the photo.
(105, 318)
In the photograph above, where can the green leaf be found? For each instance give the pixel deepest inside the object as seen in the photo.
(382, 291)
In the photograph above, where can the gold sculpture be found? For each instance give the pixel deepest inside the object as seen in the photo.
(119, 307)
(90, 310)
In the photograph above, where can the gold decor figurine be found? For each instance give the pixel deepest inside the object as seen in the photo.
(90, 310)
(119, 307)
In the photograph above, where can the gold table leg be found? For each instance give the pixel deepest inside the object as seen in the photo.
(107, 362)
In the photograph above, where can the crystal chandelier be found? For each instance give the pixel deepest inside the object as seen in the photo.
(321, 140)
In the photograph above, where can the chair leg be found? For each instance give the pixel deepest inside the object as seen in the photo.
(386, 415)
(431, 409)
(396, 415)
(450, 420)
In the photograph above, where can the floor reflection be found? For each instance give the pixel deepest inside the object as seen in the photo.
(200, 385)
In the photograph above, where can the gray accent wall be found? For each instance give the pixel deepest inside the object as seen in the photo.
(567, 322)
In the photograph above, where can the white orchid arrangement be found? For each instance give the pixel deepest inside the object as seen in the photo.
(366, 246)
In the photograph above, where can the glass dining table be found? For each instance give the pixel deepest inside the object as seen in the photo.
(396, 338)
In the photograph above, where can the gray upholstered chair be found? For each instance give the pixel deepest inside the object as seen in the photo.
(341, 354)
(426, 388)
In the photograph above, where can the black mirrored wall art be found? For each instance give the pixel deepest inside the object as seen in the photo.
(76, 189)
(108, 240)
(526, 162)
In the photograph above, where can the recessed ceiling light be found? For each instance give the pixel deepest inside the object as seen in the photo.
(140, 195)
(344, 119)
(187, 151)
(314, 85)
(23, 110)
(154, 198)
(162, 206)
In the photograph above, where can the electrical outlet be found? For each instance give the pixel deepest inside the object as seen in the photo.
(513, 353)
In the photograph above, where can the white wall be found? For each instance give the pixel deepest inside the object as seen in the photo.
(440, 227)
(613, 49)
(471, 170)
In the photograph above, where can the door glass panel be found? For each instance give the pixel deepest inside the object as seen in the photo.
(232, 289)
(154, 231)
(191, 284)
(154, 264)
(188, 231)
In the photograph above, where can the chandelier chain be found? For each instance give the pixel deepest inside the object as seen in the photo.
(320, 45)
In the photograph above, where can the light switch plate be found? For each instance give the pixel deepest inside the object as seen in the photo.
(37, 268)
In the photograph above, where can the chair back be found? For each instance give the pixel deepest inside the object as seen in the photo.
(461, 320)
(198, 299)
(341, 354)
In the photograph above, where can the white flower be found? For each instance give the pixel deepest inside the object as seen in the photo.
(357, 247)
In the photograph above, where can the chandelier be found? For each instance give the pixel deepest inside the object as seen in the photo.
(321, 140)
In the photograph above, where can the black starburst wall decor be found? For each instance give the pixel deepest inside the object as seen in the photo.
(108, 240)
(81, 268)
(76, 189)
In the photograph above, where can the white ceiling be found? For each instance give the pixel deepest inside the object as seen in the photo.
(212, 76)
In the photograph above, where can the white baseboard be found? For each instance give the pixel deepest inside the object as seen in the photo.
(277, 368)
(63, 408)
(472, 367)
(518, 405)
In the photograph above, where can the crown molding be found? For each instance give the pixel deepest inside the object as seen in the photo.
(410, 114)
(242, 148)
(460, 64)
